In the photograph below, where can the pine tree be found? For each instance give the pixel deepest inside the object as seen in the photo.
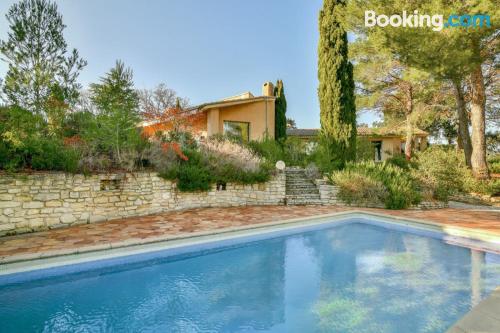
(454, 55)
(403, 94)
(40, 68)
(280, 112)
(117, 103)
(336, 86)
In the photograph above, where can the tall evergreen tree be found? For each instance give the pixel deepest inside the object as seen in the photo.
(336, 86)
(40, 68)
(118, 111)
(280, 111)
(456, 55)
(403, 94)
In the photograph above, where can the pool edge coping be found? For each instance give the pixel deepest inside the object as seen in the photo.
(480, 315)
(471, 233)
(195, 237)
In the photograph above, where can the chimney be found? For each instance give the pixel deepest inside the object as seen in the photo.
(268, 89)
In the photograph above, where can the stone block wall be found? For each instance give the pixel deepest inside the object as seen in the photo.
(476, 199)
(328, 195)
(41, 201)
(327, 192)
(430, 205)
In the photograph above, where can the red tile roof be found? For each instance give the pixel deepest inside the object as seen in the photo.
(362, 131)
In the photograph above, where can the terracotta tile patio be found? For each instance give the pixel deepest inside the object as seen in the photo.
(143, 229)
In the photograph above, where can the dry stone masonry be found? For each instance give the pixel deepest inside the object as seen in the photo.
(41, 201)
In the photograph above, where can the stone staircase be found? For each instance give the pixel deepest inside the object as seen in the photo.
(300, 190)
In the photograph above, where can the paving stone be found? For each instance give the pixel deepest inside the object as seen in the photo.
(208, 219)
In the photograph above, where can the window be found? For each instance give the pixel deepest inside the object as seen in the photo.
(237, 129)
(377, 145)
(418, 143)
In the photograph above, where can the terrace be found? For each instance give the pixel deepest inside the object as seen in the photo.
(26, 255)
(196, 222)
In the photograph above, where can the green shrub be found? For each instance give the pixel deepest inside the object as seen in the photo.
(359, 188)
(4, 154)
(191, 174)
(400, 160)
(227, 173)
(364, 149)
(204, 167)
(323, 157)
(193, 177)
(401, 187)
(54, 156)
(268, 149)
(39, 154)
(77, 122)
(494, 163)
(443, 172)
(9, 160)
(294, 152)
(170, 173)
(486, 187)
(194, 174)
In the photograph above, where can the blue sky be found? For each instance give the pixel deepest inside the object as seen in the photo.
(205, 50)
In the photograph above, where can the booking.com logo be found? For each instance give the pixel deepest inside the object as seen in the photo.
(417, 20)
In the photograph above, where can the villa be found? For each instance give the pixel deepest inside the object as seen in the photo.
(251, 117)
(386, 141)
(244, 115)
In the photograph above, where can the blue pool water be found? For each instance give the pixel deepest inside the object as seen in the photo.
(354, 277)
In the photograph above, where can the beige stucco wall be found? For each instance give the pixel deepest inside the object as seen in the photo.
(213, 122)
(259, 113)
(390, 147)
(254, 113)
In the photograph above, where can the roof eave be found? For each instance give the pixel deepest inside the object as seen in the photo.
(206, 106)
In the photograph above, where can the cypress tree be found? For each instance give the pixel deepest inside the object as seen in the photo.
(280, 111)
(336, 86)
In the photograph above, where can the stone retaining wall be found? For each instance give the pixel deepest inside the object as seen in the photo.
(327, 192)
(476, 199)
(430, 205)
(40, 201)
(328, 195)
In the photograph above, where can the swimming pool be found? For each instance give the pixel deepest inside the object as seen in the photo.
(356, 276)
